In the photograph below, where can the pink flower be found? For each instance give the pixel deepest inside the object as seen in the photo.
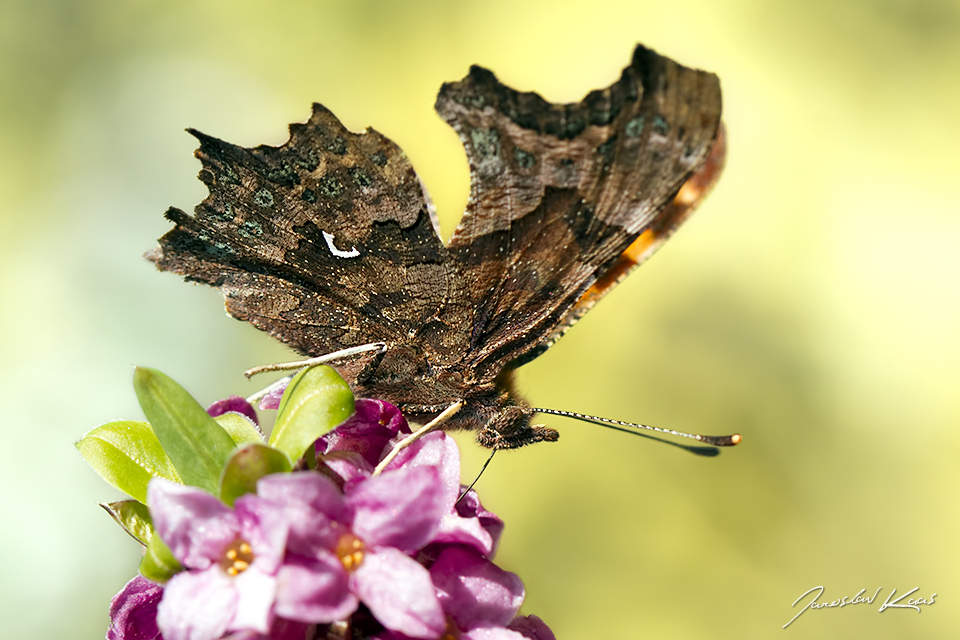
(476, 594)
(280, 629)
(465, 522)
(133, 611)
(364, 438)
(231, 558)
(531, 627)
(480, 600)
(353, 547)
(235, 404)
(394, 556)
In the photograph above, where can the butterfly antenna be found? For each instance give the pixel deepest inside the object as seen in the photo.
(716, 441)
(482, 469)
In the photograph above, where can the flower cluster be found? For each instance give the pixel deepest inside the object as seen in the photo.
(340, 550)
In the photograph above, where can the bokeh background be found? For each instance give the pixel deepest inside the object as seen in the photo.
(812, 303)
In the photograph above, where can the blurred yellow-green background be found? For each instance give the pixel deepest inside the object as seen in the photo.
(812, 304)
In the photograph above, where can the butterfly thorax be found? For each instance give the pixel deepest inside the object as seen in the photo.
(498, 415)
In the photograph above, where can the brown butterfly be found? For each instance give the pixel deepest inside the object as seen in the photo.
(330, 240)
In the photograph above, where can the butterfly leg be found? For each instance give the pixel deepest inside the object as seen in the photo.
(419, 433)
(328, 357)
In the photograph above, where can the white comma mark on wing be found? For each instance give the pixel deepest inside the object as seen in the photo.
(353, 253)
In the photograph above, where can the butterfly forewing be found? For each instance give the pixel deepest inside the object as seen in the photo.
(326, 242)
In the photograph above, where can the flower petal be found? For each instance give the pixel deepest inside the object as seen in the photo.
(470, 507)
(246, 635)
(272, 399)
(265, 525)
(367, 431)
(468, 531)
(349, 465)
(314, 590)
(532, 627)
(491, 633)
(255, 594)
(283, 629)
(233, 403)
(280, 629)
(399, 508)
(398, 593)
(312, 506)
(474, 591)
(194, 524)
(386, 634)
(197, 605)
(438, 450)
(133, 611)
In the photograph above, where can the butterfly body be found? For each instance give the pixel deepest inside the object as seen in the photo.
(330, 241)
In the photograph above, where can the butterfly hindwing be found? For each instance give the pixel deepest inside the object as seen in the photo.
(560, 191)
(691, 194)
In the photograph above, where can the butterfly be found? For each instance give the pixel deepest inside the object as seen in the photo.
(330, 241)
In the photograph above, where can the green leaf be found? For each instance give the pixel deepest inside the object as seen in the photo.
(315, 401)
(158, 563)
(127, 454)
(197, 445)
(248, 465)
(134, 517)
(240, 428)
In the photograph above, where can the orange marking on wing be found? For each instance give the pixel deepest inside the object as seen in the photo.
(688, 197)
(641, 245)
(625, 264)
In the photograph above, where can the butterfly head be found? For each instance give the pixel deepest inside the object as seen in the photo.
(510, 428)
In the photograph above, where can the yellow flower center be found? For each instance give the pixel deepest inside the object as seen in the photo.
(452, 632)
(237, 557)
(350, 551)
